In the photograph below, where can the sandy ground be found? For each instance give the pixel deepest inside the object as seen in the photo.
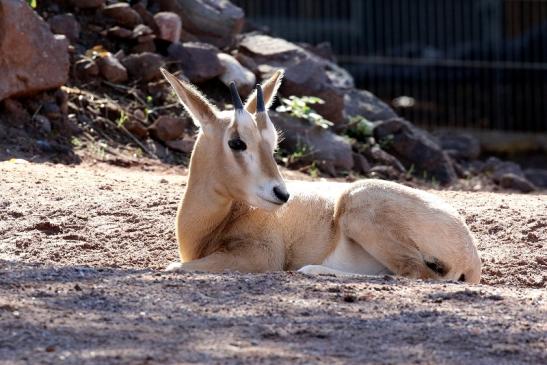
(81, 253)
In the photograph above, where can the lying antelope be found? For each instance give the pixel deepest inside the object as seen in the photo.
(237, 214)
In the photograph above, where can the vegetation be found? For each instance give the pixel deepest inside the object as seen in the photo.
(299, 107)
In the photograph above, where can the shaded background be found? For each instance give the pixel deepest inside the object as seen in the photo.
(440, 63)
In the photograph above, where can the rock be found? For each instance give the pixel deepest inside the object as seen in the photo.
(377, 154)
(360, 163)
(85, 69)
(460, 146)
(185, 145)
(146, 17)
(306, 74)
(143, 66)
(365, 104)
(319, 144)
(32, 59)
(42, 124)
(169, 25)
(168, 128)
(213, 21)
(538, 177)
(135, 127)
(498, 168)
(51, 110)
(65, 24)
(87, 4)
(122, 14)
(119, 32)
(16, 115)
(244, 79)
(384, 172)
(415, 148)
(516, 182)
(142, 33)
(199, 61)
(112, 69)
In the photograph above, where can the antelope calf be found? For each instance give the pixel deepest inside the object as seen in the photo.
(238, 214)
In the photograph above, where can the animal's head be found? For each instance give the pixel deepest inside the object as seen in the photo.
(234, 150)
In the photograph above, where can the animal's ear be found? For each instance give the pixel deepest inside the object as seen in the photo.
(201, 111)
(269, 89)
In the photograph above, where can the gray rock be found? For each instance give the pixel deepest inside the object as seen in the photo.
(119, 32)
(459, 145)
(306, 74)
(122, 14)
(65, 24)
(32, 59)
(498, 168)
(321, 145)
(538, 177)
(112, 69)
(199, 61)
(169, 25)
(143, 66)
(213, 21)
(360, 164)
(415, 148)
(365, 104)
(516, 182)
(380, 156)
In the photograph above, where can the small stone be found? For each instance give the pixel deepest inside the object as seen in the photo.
(86, 69)
(199, 61)
(118, 32)
(112, 69)
(65, 24)
(170, 26)
(143, 66)
(141, 30)
(137, 128)
(185, 145)
(168, 128)
(516, 182)
(122, 14)
(234, 71)
(43, 124)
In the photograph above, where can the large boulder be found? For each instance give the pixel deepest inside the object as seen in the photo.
(415, 148)
(365, 104)
(497, 168)
(199, 61)
(537, 176)
(461, 146)
(32, 59)
(212, 21)
(234, 71)
(314, 143)
(306, 74)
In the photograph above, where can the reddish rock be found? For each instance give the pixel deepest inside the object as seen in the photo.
(32, 59)
(169, 25)
(135, 127)
(168, 128)
(122, 14)
(185, 145)
(65, 24)
(119, 32)
(199, 61)
(85, 69)
(112, 69)
(143, 66)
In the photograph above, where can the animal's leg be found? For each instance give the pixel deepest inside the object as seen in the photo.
(246, 258)
(408, 231)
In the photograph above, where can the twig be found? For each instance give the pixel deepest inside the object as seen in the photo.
(130, 135)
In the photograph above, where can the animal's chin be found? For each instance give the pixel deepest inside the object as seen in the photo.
(265, 204)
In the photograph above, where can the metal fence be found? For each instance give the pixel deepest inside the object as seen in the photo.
(455, 63)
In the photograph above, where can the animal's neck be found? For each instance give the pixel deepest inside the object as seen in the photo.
(203, 208)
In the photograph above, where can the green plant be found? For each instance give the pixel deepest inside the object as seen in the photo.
(314, 170)
(359, 128)
(76, 142)
(299, 107)
(32, 3)
(122, 119)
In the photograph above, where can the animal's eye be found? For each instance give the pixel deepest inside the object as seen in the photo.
(237, 144)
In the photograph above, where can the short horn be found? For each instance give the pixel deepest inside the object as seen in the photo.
(236, 100)
(259, 99)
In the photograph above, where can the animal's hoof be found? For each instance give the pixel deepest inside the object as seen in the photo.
(174, 266)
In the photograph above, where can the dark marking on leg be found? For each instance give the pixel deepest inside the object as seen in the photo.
(462, 277)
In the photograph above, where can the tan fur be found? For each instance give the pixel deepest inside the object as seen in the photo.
(227, 219)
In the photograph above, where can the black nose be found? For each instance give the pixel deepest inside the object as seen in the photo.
(280, 194)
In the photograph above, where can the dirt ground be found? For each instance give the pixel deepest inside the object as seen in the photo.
(81, 254)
